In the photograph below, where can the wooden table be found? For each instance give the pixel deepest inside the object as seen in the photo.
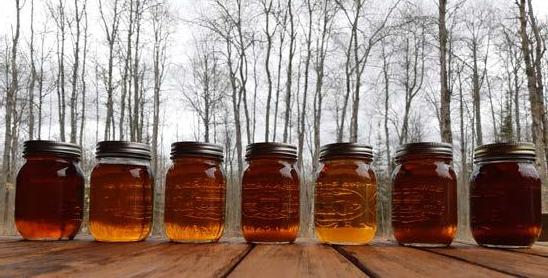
(234, 258)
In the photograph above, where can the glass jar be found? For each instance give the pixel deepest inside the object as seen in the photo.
(505, 195)
(195, 193)
(49, 197)
(121, 192)
(345, 195)
(424, 195)
(270, 194)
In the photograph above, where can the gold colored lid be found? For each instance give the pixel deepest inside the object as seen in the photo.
(346, 150)
(425, 148)
(505, 151)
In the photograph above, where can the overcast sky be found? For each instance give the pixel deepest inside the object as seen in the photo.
(174, 127)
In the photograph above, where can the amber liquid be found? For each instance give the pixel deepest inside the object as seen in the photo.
(120, 202)
(49, 199)
(424, 203)
(345, 203)
(270, 202)
(505, 204)
(194, 200)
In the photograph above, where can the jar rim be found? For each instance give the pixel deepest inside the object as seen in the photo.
(271, 149)
(124, 149)
(346, 149)
(436, 149)
(31, 147)
(197, 149)
(505, 151)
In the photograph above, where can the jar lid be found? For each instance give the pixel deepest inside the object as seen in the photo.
(505, 151)
(267, 148)
(51, 147)
(122, 149)
(425, 148)
(189, 148)
(346, 150)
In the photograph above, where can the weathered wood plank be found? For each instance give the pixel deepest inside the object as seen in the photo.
(169, 260)
(514, 263)
(295, 260)
(150, 258)
(391, 260)
(537, 249)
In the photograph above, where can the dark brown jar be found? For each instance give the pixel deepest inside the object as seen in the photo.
(49, 198)
(424, 195)
(345, 195)
(121, 192)
(270, 194)
(505, 195)
(195, 193)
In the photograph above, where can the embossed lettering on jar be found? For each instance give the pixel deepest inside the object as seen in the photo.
(49, 199)
(505, 195)
(345, 195)
(195, 193)
(270, 193)
(121, 192)
(424, 195)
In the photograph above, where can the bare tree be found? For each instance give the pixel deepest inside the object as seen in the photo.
(533, 64)
(267, 10)
(8, 167)
(111, 26)
(33, 75)
(445, 94)
(58, 13)
(308, 43)
(161, 20)
(357, 55)
(291, 54)
(412, 68)
(204, 92)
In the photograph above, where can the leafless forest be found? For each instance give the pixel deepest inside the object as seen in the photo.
(308, 72)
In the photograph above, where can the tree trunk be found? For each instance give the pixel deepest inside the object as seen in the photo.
(536, 97)
(445, 94)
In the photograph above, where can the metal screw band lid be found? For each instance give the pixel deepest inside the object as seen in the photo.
(51, 147)
(346, 150)
(439, 149)
(122, 149)
(267, 149)
(505, 151)
(189, 148)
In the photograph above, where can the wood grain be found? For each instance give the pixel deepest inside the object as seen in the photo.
(295, 260)
(150, 258)
(235, 258)
(507, 261)
(390, 260)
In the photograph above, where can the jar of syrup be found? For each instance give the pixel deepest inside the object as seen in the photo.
(49, 198)
(345, 195)
(270, 194)
(424, 195)
(505, 195)
(195, 193)
(121, 192)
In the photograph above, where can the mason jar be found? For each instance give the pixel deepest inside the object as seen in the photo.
(49, 199)
(345, 195)
(121, 192)
(195, 193)
(424, 195)
(505, 195)
(270, 194)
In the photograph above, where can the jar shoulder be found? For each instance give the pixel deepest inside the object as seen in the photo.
(426, 168)
(271, 168)
(349, 169)
(505, 169)
(51, 168)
